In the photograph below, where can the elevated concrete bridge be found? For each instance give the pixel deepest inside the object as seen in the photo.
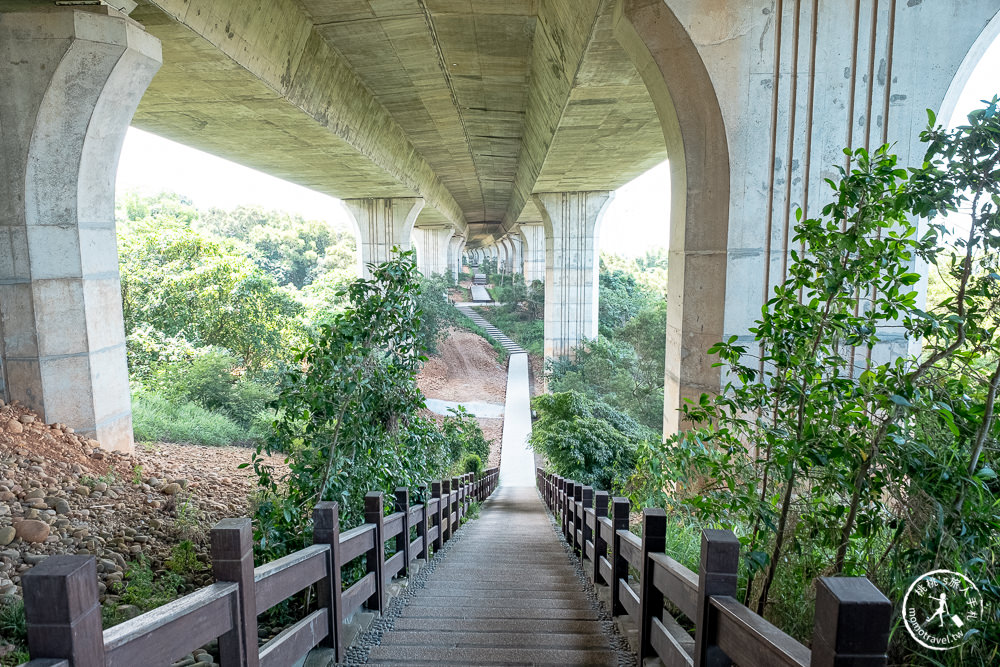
(484, 127)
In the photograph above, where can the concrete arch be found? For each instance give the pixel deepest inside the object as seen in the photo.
(986, 38)
(695, 134)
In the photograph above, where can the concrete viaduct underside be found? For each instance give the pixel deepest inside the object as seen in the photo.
(472, 127)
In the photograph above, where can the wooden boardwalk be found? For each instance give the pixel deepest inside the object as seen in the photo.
(504, 595)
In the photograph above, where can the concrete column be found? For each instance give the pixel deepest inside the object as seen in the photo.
(71, 80)
(517, 259)
(433, 244)
(505, 255)
(383, 223)
(455, 248)
(533, 251)
(571, 221)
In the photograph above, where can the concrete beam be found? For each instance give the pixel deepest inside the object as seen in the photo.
(71, 79)
(275, 83)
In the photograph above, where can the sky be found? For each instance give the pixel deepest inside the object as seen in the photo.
(638, 212)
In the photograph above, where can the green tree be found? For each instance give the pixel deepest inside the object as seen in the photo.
(183, 283)
(348, 411)
(831, 455)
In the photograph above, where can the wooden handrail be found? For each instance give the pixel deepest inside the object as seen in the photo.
(852, 616)
(64, 615)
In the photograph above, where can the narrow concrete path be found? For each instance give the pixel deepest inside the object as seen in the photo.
(506, 593)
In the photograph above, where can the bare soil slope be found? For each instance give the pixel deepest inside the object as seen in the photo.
(466, 369)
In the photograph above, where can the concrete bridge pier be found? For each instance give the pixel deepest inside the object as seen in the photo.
(71, 81)
(433, 249)
(383, 223)
(572, 221)
(455, 249)
(533, 252)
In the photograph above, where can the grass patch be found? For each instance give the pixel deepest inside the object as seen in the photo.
(159, 419)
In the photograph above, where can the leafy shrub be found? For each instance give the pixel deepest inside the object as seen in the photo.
(587, 440)
(464, 436)
(470, 463)
(145, 589)
(184, 559)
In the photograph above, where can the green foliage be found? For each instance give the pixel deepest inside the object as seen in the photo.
(623, 366)
(292, 250)
(187, 285)
(14, 627)
(156, 418)
(147, 590)
(839, 461)
(347, 412)
(184, 559)
(464, 435)
(470, 463)
(435, 311)
(587, 440)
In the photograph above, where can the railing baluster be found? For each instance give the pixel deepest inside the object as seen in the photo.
(852, 623)
(62, 611)
(600, 544)
(620, 509)
(654, 533)
(568, 520)
(587, 501)
(446, 501)
(720, 557)
(326, 530)
(436, 492)
(422, 526)
(577, 528)
(403, 539)
(232, 560)
(375, 561)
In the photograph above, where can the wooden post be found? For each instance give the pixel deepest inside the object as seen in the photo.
(568, 511)
(403, 539)
(456, 487)
(654, 540)
(558, 503)
(232, 560)
(852, 623)
(577, 528)
(720, 558)
(423, 525)
(439, 540)
(600, 545)
(587, 501)
(62, 611)
(446, 501)
(375, 562)
(326, 530)
(620, 509)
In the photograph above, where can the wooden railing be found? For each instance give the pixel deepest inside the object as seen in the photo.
(64, 615)
(852, 616)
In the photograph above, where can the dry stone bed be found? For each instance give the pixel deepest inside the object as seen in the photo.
(61, 494)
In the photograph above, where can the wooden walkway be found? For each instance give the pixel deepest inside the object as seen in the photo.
(504, 595)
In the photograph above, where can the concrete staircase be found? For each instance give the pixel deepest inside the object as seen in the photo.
(509, 345)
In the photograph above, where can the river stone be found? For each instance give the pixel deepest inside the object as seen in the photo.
(32, 530)
(171, 489)
(7, 534)
(14, 427)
